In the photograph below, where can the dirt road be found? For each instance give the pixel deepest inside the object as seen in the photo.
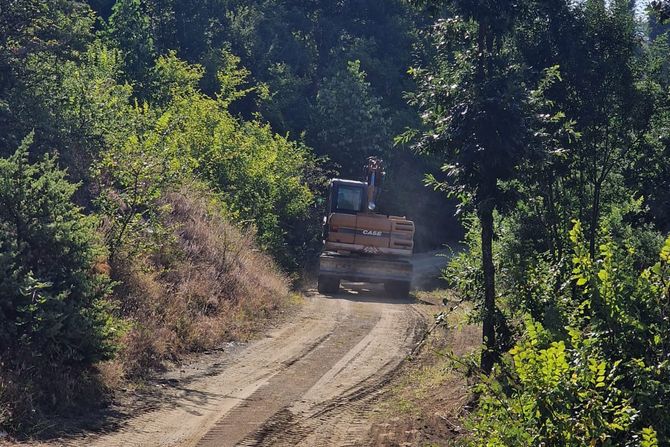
(309, 382)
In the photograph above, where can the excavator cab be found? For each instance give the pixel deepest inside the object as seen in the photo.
(347, 197)
(353, 197)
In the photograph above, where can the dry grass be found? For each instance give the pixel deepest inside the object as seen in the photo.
(429, 398)
(27, 409)
(206, 284)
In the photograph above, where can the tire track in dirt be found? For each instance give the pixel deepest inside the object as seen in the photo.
(322, 397)
(342, 420)
(288, 386)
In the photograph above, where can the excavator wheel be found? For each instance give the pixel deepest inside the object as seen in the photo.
(328, 284)
(397, 289)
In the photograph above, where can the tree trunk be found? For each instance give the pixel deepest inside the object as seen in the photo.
(489, 336)
(595, 217)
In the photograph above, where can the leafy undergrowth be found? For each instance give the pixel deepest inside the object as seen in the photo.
(430, 397)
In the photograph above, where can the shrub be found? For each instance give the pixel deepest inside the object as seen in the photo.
(268, 181)
(464, 276)
(605, 380)
(53, 324)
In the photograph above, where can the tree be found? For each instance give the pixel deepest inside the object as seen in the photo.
(52, 320)
(77, 107)
(472, 103)
(604, 381)
(662, 8)
(650, 171)
(261, 176)
(29, 30)
(605, 73)
(594, 48)
(129, 30)
(349, 123)
(296, 49)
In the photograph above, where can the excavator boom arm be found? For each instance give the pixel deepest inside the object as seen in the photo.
(374, 175)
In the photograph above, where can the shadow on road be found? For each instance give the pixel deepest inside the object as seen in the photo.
(367, 293)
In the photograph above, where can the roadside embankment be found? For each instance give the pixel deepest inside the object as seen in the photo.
(196, 286)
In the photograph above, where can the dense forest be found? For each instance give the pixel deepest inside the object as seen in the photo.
(552, 119)
(164, 165)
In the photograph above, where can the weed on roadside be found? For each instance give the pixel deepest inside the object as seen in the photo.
(430, 396)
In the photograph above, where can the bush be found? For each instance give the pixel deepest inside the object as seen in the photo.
(268, 181)
(464, 276)
(606, 379)
(53, 325)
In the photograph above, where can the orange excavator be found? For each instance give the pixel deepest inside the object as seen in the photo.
(360, 244)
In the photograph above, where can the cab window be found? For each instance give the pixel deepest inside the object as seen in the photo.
(348, 199)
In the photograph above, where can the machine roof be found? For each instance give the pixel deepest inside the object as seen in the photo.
(348, 182)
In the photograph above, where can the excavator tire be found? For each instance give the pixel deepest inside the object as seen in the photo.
(397, 289)
(328, 284)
